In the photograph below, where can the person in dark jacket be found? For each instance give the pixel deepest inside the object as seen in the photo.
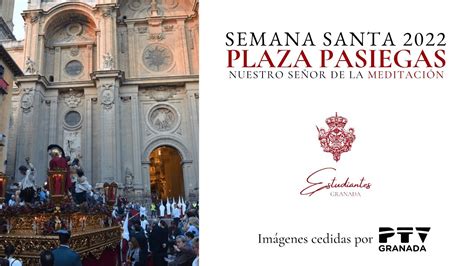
(64, 255)
(159, 243)
(184, 255)
(47, 258)
(139, 234)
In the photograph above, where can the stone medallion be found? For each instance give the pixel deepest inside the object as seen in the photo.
(74, 68)
(163, 118)
(157, 57)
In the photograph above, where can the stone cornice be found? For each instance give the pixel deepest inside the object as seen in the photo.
(6, 31)
(168, 80)
(10, 62)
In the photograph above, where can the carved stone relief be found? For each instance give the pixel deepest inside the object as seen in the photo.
(163, 118)
(72, 98)
(107, 96)
(159, 94)
(72, 33)
(157, 57)
(72, 143)
(157, 36)
(27, 99)
(74, 51)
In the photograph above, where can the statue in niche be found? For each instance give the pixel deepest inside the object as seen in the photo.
(30, 66)
(108, 62)
(128, 178)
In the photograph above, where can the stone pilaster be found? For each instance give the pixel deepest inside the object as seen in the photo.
(89, 95)
(192, 99)
(108, 84)
(30, 141)
(132, 54)
(190, 181)
(136, 134)
(107, 36)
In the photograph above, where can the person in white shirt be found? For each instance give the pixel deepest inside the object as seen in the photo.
(144, 222)
(143, 211)
(162, 210)
(9, 250)
(12, 201)
(27, 185)
(176, 213)
(82, 187)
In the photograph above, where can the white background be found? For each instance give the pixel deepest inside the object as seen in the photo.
(258, 142)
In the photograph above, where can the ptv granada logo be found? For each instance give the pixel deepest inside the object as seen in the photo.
(411, 239)
(335, 140)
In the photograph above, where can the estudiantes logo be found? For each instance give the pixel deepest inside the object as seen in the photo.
(335, 140)
(415, 243)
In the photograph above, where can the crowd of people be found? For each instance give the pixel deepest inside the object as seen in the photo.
(164, 233)
(171, 240)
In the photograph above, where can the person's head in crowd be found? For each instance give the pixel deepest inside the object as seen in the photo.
(190, 235)
(195, 244)
(80, 173)
(181, 242)
(174, 223)
(47, 258)
(64, 237)
(194, 221)
(137, 226)
(22, 169)
(163, 224)
(142, 217)
(9, 250)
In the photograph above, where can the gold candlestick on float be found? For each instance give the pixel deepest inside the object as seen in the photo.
(3, 186)
(57, 185)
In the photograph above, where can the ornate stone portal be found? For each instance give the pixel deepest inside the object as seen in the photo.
(111, 83)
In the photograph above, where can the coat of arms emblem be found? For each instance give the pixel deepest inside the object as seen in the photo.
(336, 139)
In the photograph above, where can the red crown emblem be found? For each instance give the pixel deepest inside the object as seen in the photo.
(336, 139)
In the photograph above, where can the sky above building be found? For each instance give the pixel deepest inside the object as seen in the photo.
(19, 28)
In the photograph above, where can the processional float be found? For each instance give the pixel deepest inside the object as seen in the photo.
(31, 228)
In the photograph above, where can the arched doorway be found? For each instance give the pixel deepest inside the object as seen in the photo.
(166, 173)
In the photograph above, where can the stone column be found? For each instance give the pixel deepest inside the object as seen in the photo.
(107, 39)
(57, 64)
(131, 49)
(190, 181)
(89, 95)
(40, 54)
(192, 97)
(145, 181)
(29, 141)
(184, 44)
(52, 97)
(136, 133)
(31, 37)
(13, 133)
(108, 83)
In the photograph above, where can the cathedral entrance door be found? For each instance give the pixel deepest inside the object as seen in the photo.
(166, 173)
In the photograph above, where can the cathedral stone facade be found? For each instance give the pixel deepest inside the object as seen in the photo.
(115, 83)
